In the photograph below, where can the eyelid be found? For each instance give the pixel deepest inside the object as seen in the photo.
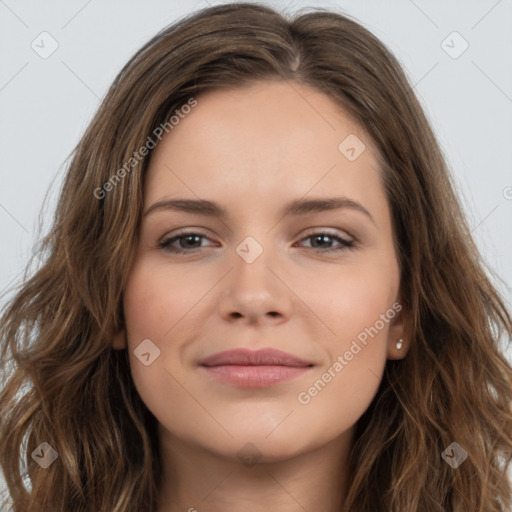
(184, 232)
(309, 232)
(329, 231)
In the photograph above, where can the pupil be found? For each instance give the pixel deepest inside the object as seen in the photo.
(189, 238)
(322, 238)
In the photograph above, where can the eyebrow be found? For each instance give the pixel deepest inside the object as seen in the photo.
(294, 208)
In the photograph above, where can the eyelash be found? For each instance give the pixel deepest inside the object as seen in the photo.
(166, 244)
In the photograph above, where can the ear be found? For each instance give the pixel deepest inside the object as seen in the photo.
(399, 329)
(119, 341)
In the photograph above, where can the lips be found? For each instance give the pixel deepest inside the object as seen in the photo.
(254, 369)
(245, 357)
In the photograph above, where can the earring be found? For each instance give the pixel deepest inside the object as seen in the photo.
(399, 344)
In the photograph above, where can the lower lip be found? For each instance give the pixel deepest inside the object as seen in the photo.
(255, 376)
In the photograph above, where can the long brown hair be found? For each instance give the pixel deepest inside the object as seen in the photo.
(66, 386)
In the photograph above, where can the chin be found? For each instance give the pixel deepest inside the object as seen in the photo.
(251, 446)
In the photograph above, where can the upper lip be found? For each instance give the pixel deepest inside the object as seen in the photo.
(262, 357)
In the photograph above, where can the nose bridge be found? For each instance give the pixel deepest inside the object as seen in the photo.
(253, 289)
(253, 257)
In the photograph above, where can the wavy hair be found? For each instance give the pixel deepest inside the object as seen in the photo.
(63, 383)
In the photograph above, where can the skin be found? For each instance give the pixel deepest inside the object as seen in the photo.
(252, 150)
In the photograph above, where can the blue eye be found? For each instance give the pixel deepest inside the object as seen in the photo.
(190, 242)
(323, 238)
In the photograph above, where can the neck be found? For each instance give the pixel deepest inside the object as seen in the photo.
(196, 479)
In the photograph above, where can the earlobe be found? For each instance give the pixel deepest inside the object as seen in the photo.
(398, 336)
(119, 341)
(397, 349)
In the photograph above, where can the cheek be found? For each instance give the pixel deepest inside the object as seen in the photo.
(355, 307)
(336, 399)
(162, 303)
(156, 299)
(343, 388)
(350, 298)
(153, 305)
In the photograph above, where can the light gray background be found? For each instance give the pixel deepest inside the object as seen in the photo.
(45, 104)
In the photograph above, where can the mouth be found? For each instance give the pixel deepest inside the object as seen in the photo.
(254, 369)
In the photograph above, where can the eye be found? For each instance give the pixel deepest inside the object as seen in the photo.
(320, 239)
(190, 242)
(187, 242)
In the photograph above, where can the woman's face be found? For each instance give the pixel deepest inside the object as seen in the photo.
(274, 271)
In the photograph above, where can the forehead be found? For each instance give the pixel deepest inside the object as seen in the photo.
(261, 141)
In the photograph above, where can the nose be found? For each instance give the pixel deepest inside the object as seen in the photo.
(256, 292)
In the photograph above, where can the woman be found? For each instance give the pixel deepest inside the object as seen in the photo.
(260, 292)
